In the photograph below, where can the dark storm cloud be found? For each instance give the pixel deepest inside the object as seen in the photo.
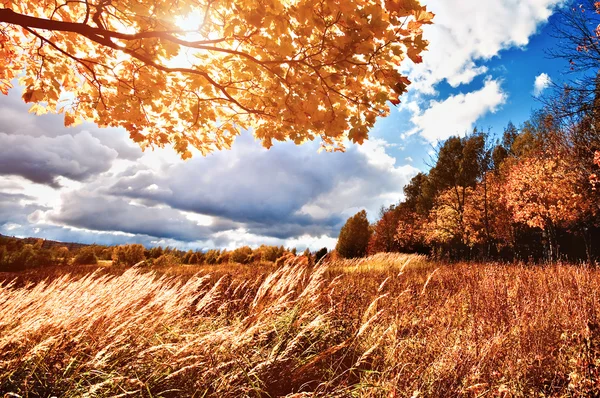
(330, 227)
(15, 119)
(284, 193)
(15, 208)
(104, 213)
(44, 159)
(263, 190)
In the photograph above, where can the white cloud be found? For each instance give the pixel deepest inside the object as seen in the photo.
(312, 242)
(11, 226)
(467, 32)
(457, 114)
(356, 192)
(541, 83)
(243, 237)
(375, 152)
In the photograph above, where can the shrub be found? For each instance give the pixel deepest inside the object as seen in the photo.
(211, 256)
(3, 256)
(26, 257)
(85, 256)
(128, 255)
(166, 260)
(223, 257)
(269, 253)
(242, 255)
(288, 256)
(189, 257)
(195, 258)
(155, 252)
(105, 254)
(61, 255)
(309, 256)
(320, 254)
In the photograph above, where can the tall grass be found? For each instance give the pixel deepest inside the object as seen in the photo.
(386, 326)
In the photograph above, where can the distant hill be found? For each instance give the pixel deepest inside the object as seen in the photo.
(48, 244)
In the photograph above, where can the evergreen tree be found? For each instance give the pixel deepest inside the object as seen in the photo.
(320, 254)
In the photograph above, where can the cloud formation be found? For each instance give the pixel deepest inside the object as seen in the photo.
(95, 191)
(88, 210)
(43, 159)
(457, 114)
(284, 192)
(15, 120)
(542, 82)
(468, 32)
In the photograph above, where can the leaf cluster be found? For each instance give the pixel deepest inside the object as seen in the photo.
(288, 70)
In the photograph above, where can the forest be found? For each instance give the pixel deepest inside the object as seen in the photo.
(529, 195)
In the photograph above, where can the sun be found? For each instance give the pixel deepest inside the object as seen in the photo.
(189, 26)
(190, 22)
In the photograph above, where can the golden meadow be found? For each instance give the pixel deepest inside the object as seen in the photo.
(389, 325)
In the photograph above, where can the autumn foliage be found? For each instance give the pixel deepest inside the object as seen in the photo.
(197, 72)
(530, 193)
(527, 195)
(354, 236)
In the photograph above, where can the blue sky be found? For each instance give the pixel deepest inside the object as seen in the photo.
(93, 185)
(515, 68)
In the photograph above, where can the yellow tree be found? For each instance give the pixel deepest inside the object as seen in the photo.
(354, 236)
(545, 193)
(410, 231)
(196, 72)
(487, 219)
(446, 224)
(482, 220)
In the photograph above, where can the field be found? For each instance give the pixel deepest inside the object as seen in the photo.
(385, 326)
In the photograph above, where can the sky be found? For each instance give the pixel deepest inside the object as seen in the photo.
(486, 66)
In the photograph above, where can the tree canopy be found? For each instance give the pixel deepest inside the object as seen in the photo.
(529, 194)
(577, 29)
(197, 72)
(354, 236)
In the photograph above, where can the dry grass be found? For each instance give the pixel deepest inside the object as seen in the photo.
(387, 326)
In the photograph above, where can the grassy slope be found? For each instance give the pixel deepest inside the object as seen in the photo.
(387, 326)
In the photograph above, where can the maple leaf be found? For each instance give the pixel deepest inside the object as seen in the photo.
(187, 73)
(424, 16)
(69, 120)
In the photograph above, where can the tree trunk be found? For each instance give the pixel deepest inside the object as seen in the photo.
(552, 244)
(588, 245)
(486, 217)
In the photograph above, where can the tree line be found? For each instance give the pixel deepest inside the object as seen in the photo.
(23, 254)
(530, 194)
